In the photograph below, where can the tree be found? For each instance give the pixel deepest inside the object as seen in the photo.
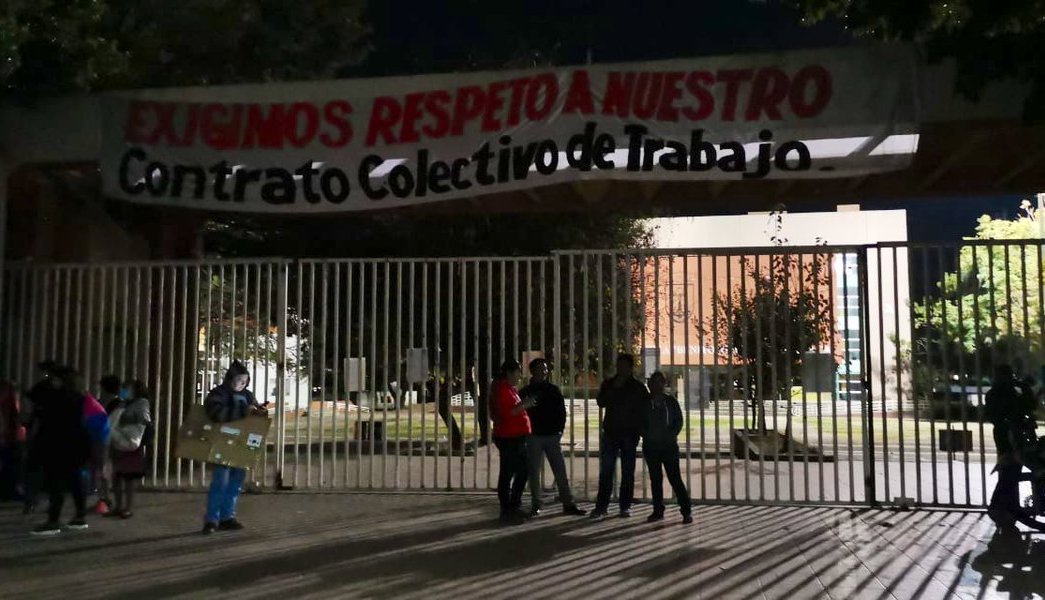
(55, 46)
(988, 307)
(989, 40)
(769, 320)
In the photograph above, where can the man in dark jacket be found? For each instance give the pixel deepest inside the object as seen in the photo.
(230, 401)
(626, 402)
(547, 421)
(660, 448)
(1008, 405)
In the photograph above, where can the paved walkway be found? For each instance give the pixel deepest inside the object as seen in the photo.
(450, 546)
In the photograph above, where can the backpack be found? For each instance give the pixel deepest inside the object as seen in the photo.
(128, 437)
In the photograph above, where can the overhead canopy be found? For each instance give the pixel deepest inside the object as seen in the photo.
(680, 137)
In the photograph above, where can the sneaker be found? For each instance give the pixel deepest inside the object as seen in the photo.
(47, 529)
(230, 525)
(655, 516)
(625, 513)
(597, 515)
(102, 508)
(573, 509)
(209, 528)
(687, 519)
(126, 514)
(535, 512)
(78, 524)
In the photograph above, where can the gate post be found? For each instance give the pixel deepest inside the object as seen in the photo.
(870, 488)
(281, 372)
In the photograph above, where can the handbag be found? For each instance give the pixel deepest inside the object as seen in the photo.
(125, 438)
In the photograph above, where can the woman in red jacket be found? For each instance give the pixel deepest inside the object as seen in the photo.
(511, 426)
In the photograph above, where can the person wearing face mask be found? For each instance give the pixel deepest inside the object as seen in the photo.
(660, 448)
(230, 401)
(130, 423)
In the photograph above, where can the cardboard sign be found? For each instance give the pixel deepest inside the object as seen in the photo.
(234, 444)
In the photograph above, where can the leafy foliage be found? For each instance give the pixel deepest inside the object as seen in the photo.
(990, 39)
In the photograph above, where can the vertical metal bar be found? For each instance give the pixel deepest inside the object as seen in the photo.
(489, 362)
(585, 366)
(360, 375)
(97, 363)
(529, 306)
(818, 274)
(728, 294)
(67, 276)
(125, 342)
(264, 338)
(165, 415)
(311, 373)
(803, 350)
(1008, 302)
(450, 370)
(929, 362)
(788, 353)
(716, 352)
(299, 363)
(196, 381)
(463, 352)
(182, 367)
(146, 353)
(687, 326)
(614, 333)
(703, 369)
(373, 373)
(401, 400)
(424, 386)
(882, 368)
(848, 371)
(351, 439)
(774, 370)
(515, 310)
(384, 380)
(946, 371)
(325, 309)
(870, 482)
(336, 396)
(760, 400)
(281, 369)
(745, 350)
(979, 367)
(411, 306)
(571, 332)
(898, 349)
(49, 307)
(34, 302)
(914, 398)
(963, 382)
(111, 355)
(558, 357)
(437, 323)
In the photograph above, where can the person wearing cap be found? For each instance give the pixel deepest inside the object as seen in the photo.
(230, 401)
(548, 421)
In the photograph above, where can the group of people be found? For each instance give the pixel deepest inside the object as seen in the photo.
(529, 423)
(61, 440)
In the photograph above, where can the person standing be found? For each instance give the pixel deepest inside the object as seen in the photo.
(12, 442)
(131, 424)
(1007, 406)
(511, 427)
(548, 421)
(626, 402)
(660, 448)
(68, 425)
(230, 401)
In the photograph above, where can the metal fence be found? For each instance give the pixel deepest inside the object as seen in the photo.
(806, 375)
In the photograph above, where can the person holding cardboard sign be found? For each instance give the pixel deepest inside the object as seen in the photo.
(228, 402)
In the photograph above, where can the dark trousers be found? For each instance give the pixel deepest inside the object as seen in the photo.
(11, 469)
(60, 481)
(609, 450)
(456, 439)
(1006, 495)
(512, 479)
(664, 458)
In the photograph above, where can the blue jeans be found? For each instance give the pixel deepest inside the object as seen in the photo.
(609, 449)
(225, 485)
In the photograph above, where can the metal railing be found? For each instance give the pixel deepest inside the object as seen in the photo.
(818, 374)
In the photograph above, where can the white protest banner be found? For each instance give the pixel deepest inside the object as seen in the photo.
(351, 145)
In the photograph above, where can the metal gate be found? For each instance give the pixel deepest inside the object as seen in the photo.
(850, 375)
